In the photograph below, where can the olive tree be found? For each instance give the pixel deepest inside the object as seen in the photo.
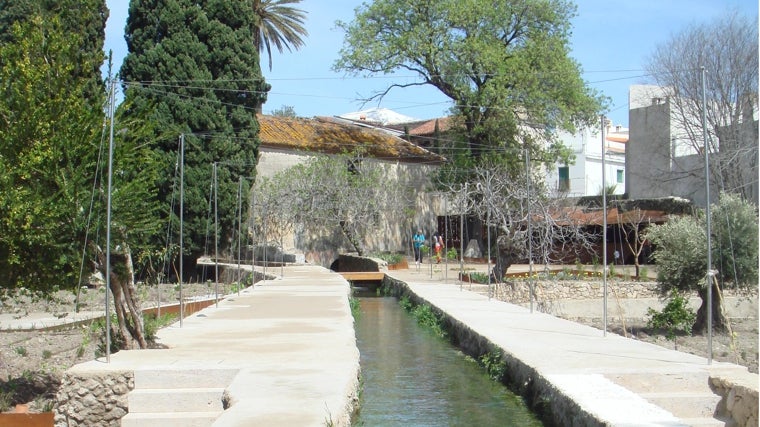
(681, 255)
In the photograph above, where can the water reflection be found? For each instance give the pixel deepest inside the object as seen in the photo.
(413, 378)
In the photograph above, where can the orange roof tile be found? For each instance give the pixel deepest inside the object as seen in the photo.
(428, 128)
(622, 139)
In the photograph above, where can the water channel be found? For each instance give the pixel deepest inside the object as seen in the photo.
(410, 377)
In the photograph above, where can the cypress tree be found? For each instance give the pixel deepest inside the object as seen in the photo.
(193, 66)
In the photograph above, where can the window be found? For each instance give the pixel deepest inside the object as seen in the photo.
(620, 175)
(564, 178)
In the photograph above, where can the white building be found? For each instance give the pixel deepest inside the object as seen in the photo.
(583, 177)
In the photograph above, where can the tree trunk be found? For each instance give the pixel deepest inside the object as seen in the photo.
(719, 320)
(126, 303)
(344, 227)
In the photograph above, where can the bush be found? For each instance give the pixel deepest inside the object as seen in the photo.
(676, 317)
(389, 257)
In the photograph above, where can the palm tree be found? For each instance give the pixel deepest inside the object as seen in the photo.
(278, 24)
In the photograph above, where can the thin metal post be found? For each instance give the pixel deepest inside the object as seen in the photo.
(240, 231)
(710, 271)
(445, 240)
(488, 234)
(216, 239)
(108, 225)
(530, 225)
(604, 226)
(181, 224)
(461, 237)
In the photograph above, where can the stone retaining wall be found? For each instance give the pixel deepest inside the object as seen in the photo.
(93, 399)
(739, 401)
(546, 291)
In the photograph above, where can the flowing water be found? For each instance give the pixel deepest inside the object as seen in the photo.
(410, 377)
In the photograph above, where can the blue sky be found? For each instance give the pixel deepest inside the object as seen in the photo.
(612, 40)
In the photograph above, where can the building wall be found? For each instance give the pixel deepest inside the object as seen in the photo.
(662, 162)
(648, 152)
(394, 230)
(585, 174)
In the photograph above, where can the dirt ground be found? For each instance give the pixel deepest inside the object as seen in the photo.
(32, 363)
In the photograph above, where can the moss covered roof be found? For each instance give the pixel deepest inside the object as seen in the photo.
(333, 136)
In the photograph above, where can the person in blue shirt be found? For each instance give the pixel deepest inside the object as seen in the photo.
(419, 240)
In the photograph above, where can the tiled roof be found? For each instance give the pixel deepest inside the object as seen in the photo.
(617, 138)
(428, 128)
(578, 216)
(333, 136)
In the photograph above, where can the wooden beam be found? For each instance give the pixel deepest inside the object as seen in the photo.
(363, 275)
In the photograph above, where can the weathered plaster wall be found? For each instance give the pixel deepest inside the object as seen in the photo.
(395, 228)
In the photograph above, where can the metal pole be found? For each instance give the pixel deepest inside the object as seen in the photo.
(461, 237)
(530, 225)
(488, 234)
(240, 230)
(445, 240)
(252, 227)
(108, 226)
(181, 224)
(216, 240)
(710, 271)
(604, 226)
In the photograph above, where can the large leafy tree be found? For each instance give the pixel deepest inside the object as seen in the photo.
(278, 24)
(505, 65)
(727, 48)
(681, 248)
(193, 67)
(50, 135)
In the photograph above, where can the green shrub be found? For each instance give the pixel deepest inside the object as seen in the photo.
(494, 365)
(390, 258)
(676, 317)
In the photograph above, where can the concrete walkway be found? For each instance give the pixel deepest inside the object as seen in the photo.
(280, 354)
(284, 354)
(613, 380)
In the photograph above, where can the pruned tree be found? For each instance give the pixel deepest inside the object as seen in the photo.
(347, 193)
(633, 224)
(525, 217)
(727, 48)
(274, 211)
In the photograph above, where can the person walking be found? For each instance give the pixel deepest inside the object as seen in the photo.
(438, 246)
(419, 240)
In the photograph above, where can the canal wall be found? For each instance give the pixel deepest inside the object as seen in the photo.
(567, 385)
(542, 397)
